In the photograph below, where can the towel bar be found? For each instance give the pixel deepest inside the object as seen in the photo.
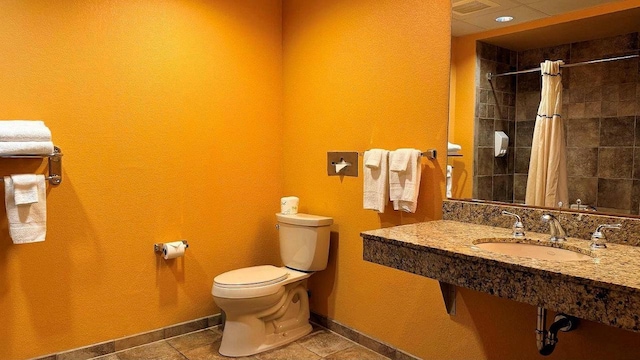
(430, 154)
(55, 164)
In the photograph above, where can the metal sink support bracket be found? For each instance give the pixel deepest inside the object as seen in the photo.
(449, 297)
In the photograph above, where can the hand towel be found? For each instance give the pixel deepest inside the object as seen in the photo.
(26, 148)
(373, 157)
(375, 179)
(404, 186)
(25, 188)
(449, 180)
(400, 160)
(27, 223)
(20, 133)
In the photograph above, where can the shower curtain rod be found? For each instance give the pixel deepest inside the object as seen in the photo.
(490, 76)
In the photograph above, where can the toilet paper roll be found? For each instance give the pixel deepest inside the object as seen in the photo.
(173, 250)
(289, 205)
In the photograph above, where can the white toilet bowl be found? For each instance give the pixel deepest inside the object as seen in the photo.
(265, 307)
(268, 306)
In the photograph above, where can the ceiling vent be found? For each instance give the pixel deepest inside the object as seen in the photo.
(467, 7)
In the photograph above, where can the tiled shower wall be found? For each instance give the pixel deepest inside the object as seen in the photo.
(601, 104)
(495, 111)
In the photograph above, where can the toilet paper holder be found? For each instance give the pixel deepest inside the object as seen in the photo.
(157, 247)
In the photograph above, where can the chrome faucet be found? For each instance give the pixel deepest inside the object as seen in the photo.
(518, 228)
(555, 229)
(598, 238)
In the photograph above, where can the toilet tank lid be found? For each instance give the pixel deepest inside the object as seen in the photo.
(304, 219)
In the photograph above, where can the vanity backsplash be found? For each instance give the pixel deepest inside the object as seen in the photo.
(577, 224)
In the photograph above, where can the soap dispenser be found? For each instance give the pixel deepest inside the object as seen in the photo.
(501, 143)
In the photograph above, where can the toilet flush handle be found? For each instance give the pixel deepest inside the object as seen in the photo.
(277, 226)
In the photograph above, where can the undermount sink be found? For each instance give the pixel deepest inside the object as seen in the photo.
(529, 250)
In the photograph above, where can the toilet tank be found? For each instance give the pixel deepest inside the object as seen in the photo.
(304, 241)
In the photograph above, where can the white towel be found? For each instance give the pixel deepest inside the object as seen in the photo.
(453, 148)
(27, 223)
(449, 181)
(26, 148)
(400, 160)
(404, 186)
(375, 179)
(25, 188)
(30, 123)
(20, 133)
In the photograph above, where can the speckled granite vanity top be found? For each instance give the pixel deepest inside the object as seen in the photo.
(605, 288)
(618, 265)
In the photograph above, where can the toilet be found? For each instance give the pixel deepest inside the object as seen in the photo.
(268, 306)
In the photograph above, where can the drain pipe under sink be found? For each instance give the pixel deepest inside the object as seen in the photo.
(547, 340)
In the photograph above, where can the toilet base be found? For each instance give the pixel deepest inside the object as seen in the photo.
(256, 325)
(270, 342)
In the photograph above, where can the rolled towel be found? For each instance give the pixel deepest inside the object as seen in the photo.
(452, 148)
(26, 148)
(27, 223)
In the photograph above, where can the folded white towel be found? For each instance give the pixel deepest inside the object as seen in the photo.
(27, 223)
(404, 186)
(30, 123)
(25, 188)
(400, 160)
(375, 179)
(21, 133)
(26, 148)
(453, 148)
(373, 157)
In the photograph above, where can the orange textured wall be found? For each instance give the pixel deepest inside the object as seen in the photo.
(359, 75)
(363, 74)
(461, 124)
(170, 115)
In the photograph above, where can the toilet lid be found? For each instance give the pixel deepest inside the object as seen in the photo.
(251, 277)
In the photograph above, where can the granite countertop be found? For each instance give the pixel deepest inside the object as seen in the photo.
(444, 250)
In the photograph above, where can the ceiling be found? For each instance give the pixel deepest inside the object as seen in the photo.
(474, 16)
(595, 27)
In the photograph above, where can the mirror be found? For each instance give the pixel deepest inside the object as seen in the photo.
(600, 111)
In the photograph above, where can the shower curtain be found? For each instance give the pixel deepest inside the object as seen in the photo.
(547, 181)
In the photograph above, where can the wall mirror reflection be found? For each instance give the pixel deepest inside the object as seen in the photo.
(592, 106)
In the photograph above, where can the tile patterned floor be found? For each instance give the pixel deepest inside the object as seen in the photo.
(204, 345)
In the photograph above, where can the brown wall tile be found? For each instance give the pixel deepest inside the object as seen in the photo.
(583, 132)
(582, 162)
(484, 133)
(614, 193)
(601, 48)
(522, 158)
(618, 131)
(583, 188)
(524, 133)
(519, 187)
(483, 188)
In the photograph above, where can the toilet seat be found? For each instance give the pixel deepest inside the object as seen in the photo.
(250, 282)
